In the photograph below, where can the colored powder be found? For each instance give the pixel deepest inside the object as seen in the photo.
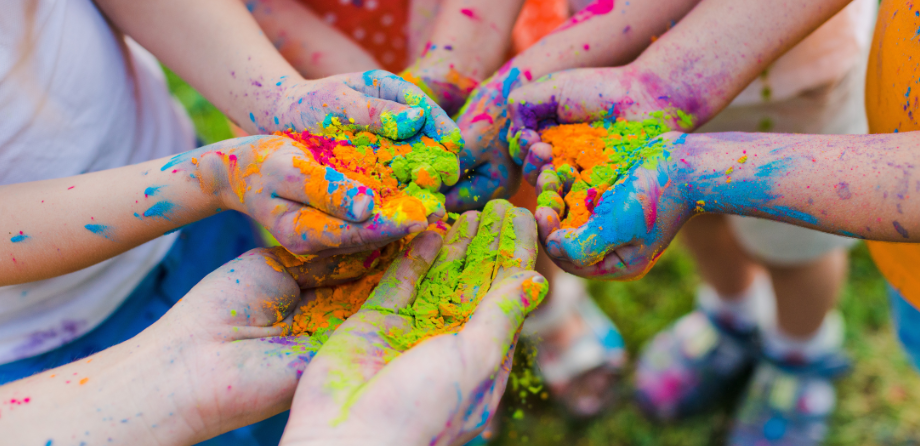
(444, 301)
(596, 156)
(394, 170)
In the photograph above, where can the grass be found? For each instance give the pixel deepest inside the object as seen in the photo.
(878, 403)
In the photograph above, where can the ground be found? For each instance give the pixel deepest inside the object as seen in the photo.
(879, 402)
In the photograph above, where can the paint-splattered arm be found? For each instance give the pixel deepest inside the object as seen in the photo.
(853, 185)
(216, 361)
(58, 226)
(697, 67)
(314, 47)
(605, 33)
(468, 41)
(218, 47)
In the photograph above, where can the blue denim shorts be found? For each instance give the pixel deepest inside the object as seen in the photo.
(906, 320)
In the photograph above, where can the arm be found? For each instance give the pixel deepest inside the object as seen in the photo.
(698, 67)
(311, 45)
(603, 34)
(469, 40)
(63, 225)
(216, 361)
(218, 47)
(851, 185)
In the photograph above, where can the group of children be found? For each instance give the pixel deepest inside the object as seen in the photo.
(136, 307)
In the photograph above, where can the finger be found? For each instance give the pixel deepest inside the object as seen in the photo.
(548, 181)
(518, 244)
(491, 330)
(314, 272)
(434, 122)
(547, 223)
(483, 253)
(306, 230)
(567, 176)
(540, 154)
(397, 287)
(325, 189)
(446, 271)
(520, 143)
(551, 200)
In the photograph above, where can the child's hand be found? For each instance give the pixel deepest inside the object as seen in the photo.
(226, 336)
(362, 388)
(375, 100)
(483, 122)
(632, 223)
(309, 208)
(586, 95)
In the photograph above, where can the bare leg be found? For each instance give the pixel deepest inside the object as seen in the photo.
(721, 261)
(806, 293)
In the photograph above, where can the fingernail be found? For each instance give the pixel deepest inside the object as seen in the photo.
(361, 207)
(415, 228)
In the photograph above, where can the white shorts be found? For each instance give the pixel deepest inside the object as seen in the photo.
(838, 108)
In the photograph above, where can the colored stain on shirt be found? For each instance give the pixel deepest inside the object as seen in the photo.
(597, 156)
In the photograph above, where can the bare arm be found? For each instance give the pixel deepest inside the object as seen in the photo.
(853, 185)
(315, 48)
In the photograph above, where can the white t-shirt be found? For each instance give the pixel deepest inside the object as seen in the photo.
(76, 97)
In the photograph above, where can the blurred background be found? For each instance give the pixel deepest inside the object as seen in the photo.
(879, 401)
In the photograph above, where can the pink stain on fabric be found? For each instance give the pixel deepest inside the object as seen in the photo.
(599, 7)
(482, 117)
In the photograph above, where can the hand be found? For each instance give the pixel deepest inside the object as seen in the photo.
(215, 361)
(592, 94)
(484, 160)
(632, 223)
(363, 387)
(309, 208)
(375, 100)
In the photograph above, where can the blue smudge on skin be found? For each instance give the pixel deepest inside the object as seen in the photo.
(276, 120)
(178, 159)
(332, 176)
(252, 117)
(151, 191)
(509, 82)
(368, 78)
(19, 238)
(681, 139)
(160, 209)
(101, 230)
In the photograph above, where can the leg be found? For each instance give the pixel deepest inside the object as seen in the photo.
(806, 293)
(721, 261)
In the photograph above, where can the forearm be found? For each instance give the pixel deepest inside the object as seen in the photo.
(118, 396)
(606, 33)
(471, 36)
(216, 46)
(312, 46)
(721, 46)
(854, 185)
(62, 225)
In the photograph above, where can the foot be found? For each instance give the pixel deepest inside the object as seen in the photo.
(788, 405)
(692, 365)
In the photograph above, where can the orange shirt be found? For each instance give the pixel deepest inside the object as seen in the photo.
(892, 95)
(379, 26)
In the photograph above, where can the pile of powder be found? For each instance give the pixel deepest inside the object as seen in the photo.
(394, 170)
(593, 157)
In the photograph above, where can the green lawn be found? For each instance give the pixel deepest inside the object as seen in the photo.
(878, 402)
